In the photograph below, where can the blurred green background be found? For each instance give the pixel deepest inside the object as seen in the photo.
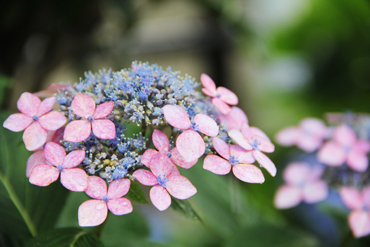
(285, 59)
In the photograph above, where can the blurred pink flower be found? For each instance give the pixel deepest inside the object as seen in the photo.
(303, 183)
(164, 181)
(189, 143)
(234, 119)
(52, 89)
(359, 202)
(36, 119)
(161, 142)
(236, 157)
(308, 135)
(345, 147)
(84, 106)
(94, 212)
(74, 179)
(252, 138)
(221, 97)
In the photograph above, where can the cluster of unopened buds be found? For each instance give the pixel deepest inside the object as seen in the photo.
(341, 162)
(84, 142)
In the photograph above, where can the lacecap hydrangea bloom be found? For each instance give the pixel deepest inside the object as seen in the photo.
(84, 142)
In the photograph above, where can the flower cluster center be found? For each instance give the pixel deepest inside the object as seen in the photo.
(162, 180)
(233, 160)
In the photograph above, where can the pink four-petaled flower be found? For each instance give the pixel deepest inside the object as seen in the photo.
(359, 202)
(345, 147)
(254, 139)
(236, 157)
(221, 97)
(94, 212)
(74, 179)
(234, 119)
(164, 180)
(84, 106)
(303, 183)
(36, 119)
(189, 143)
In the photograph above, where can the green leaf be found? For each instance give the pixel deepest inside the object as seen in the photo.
(26, 209)
(65, 237)
(184, 208)
(136, 194)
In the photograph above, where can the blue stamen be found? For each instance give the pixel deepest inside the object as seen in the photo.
(233, 160)
(60, 167)
(90, 118)
(162, 181)
(105, 198)
(194, 126)
(255, 144)
(169, 154)
(35, 118)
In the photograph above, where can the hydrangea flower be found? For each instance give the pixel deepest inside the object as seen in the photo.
(36, 119)
(164, 182)
(74, 179)
(234, 119)
(189, 143)
(359, 203)
(84, 106)
(308, 136)
(161, 142)
(236, 157)
(345, 147)
(94, 212)
(221, 97)
(254, 139)
(303, 183)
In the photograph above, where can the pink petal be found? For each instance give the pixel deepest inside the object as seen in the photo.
(221, 106)
(77, 131)
(287, 136)
(265, 162)
(35, 159)
(34, 136)
(177, 159)
(351, 197)
(73, 159)
(54, 153)
(160, 197)
(235, 118)
(175, 171)
(209, 84)
(55, 136)
(28, 104)
(190, 145)
(43, 175)
(264, 144)
(103, 110)
(58, 86)
(104, 129)
(92, 213)
(96, 187)
(161, 165)
(331, 154)
(145, 177)
(241, 154)
(366, 196)
(257, 132)
(180, 187)
(208, 92)
(160, 141)
(120, 206)
(313, 126)
(46, 106)
(227, 96)
(362, 146)
(45, 93)
(345, 135)
(296, 173)
(248, 173)
(238, 137)
(247, 131)
(206, 125)
(315, 173)
(74, 179)
(17, 122)
(176, 116)
(221, 147)
(359, 222)
(357, 161)
(83, 105)
(315, 191)
(216, 164)
(147, 156)
(288, 196)
(309, 143)
(118, 188)
(52, 120)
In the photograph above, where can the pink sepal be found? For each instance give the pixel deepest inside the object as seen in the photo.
(241, 154)
(96, 187)
(83, 105)
(160, 197)
(180, 187)
(331, 154)
(216, 164)
(209, 84)
(288, 196)
(359, 222)
(227, 96)
(74, 179)
(104, 129)
(160, 141)
(235, 118)
(52, 120)
(73, 159)
(17, 122)
(46, 106)
(221, 106)
(287, 136)
(92, 213)
(248, 173)
(351, 197)
(77, 131)
(54, 153)
(34, 136)
(28, 104)
(265, 162)
(118, 188)
(315, 191)
(177, 159)
(238, 137)
(221, 147)
(190, 145)
(160, 164)
(147, 156)
(176, 116)
(145, 177)
(36, 158)
(207, 125)
(43, 175)
(344, 135)
(120, 206)
(357, 160)
(103, 110)
(296, 173)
